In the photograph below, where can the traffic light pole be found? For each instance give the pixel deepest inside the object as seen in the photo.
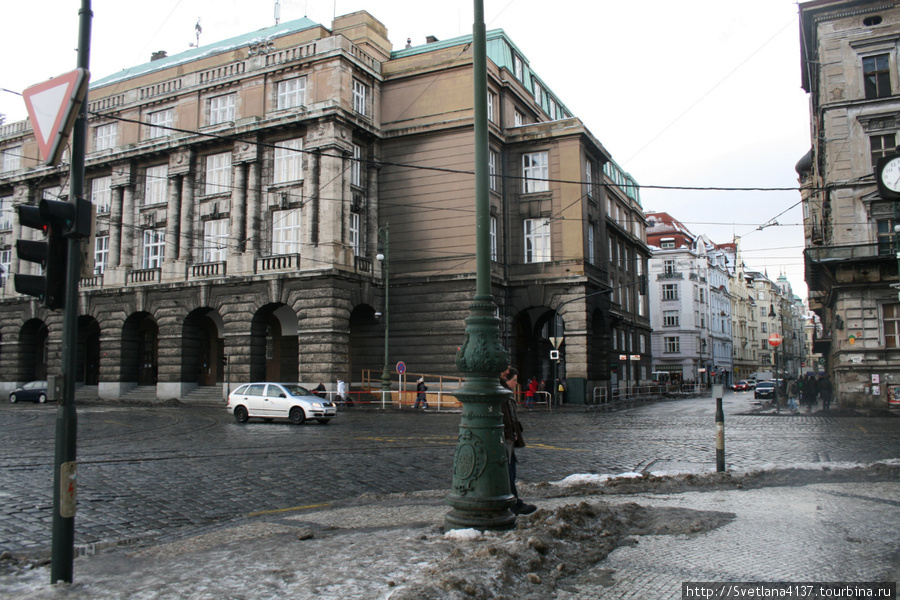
(65, 467)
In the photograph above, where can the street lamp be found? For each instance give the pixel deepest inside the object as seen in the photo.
(383, 258)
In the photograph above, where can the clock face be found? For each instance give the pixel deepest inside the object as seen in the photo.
(890, 175)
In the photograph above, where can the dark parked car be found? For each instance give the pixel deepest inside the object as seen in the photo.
(33, 391)
(765, 389)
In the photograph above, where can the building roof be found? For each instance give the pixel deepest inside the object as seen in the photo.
(264, 34)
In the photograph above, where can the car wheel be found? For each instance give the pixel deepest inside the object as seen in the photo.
(298, 417)
(12, 398)
(42, 398)
(240, 414)
(323, 421)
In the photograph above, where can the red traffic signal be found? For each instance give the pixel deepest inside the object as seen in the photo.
(51, 254)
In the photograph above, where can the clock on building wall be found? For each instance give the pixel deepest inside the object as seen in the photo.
(887, 175)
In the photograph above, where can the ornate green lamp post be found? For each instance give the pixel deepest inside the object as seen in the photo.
(481, 495)
(384, 233)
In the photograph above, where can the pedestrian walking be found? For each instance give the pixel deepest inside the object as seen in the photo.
(810, 392)
(826, 391)
(512, 436)
(529, 393)
(420, 394)
(793, 391)
(341, 393)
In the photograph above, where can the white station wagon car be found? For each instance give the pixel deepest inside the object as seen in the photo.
(279, 401)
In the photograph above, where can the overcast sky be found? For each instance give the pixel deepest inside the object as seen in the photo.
(699, 93)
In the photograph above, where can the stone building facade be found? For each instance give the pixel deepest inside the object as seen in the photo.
(849, 60)
(244, 189)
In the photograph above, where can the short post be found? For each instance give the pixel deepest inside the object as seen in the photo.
(718, 392)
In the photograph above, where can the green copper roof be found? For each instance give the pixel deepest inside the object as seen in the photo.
(193, 54)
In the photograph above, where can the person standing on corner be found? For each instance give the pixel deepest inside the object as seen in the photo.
(512, 435)
(420, 394)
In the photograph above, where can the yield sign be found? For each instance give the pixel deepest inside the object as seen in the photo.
(53, 106)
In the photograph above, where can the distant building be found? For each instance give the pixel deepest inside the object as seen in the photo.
(244, 189)
(849, 66)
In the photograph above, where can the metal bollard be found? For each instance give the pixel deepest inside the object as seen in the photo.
(718, 392)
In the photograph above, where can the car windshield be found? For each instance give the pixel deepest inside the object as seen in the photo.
(766, 384)
(296, 390)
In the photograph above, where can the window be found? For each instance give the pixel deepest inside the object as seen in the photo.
(886, 236)
(154, 248)
(11, 159)
(6, 212)
(221, 109)
(537, 92)
(494, 181)
(552, 104)
(642, 339)
(52, 193)
(286, 232)
(879, 145)
(670, 291)
(534, 172)
(218, 174)
(288, 161)
(155, 182)
(490, 107)
(291, 93)
(105, 136)
(669, 266)
(891, 319)
(589, 178)
(667, 243)
(673, 344)
(494, 254)
(360, 97)
(5, 261)
(763, 328)
(537, 240)
(671, 318)
(101, 194)
(355, 238)
(215, 240)
(590, 243)
(101, 254)
(519, 68)
(356, 167)
(159, 120)
(877, 76)
(518, 119)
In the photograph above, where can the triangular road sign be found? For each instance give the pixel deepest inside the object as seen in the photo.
(556, 341)
(53, 106)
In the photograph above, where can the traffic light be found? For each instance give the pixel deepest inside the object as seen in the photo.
(54, 218)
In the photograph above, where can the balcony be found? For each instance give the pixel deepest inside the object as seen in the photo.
(142, 276)
(280, 262)
(669, 275)
(206, 270)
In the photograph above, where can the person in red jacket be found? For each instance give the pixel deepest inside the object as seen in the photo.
(529, 393)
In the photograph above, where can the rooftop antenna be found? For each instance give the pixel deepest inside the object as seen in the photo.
(277, 12)
(197, 31)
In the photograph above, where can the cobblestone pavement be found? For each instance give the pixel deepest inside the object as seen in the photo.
(151, 472)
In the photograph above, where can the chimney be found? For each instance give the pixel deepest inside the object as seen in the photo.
(431, 39)
(158, 55)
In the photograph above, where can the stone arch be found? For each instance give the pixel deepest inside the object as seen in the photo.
(366, 341)
(203, 347)
(33, 338)
(87, 367)
(274, 346)
(533, 329)
(140, 349)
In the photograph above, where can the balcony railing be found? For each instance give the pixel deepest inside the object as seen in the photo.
(210, 269)
(362, 264)
(836, 253)
(670, 275)
(144, 276)
(280, 262)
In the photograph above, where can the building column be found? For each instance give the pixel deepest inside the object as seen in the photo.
(314, 170)
(172, 219)
(132, 233)
(254, 195)
(115, 227)
(371, 213)
(238, 209)
(187, 218)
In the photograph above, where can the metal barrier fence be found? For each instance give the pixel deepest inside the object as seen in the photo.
(602, 395)
(401, 399)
